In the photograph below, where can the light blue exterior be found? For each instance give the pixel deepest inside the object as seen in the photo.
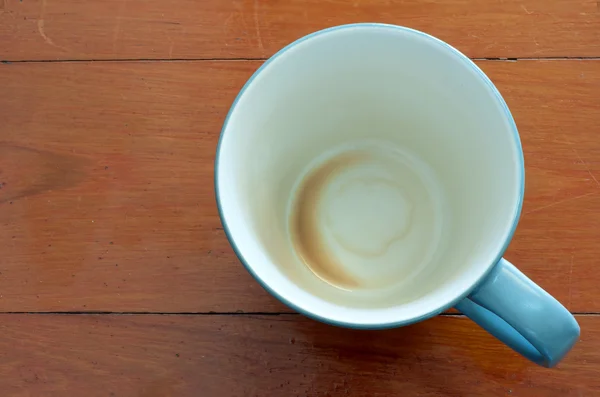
(518, 312)
(487, 321)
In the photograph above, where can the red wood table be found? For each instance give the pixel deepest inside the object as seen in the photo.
(116, 278)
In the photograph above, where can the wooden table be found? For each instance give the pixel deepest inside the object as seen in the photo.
(116, 278)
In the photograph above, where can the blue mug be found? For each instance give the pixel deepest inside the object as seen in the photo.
(371, 176)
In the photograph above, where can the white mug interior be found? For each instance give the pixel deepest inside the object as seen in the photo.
(378, 83)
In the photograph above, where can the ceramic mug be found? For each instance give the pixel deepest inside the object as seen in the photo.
(401, 89)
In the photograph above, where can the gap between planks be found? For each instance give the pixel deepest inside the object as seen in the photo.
(6, 62)
(237, 313)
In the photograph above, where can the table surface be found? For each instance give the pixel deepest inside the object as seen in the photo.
(116, 278)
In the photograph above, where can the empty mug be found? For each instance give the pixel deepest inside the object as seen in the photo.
(371, 176)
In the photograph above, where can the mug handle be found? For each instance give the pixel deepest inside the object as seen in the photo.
(517, 311)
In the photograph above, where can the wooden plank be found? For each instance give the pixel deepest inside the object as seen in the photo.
(108, 200)
(556, 110)
(285, 355)
(127, 29)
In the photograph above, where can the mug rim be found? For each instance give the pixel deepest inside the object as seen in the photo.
(519, 157)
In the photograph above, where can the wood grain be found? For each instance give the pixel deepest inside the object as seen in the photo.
(107, 203)
(107, 199)
(156, 29)
(285, 355)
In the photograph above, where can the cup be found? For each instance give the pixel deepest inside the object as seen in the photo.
(423, 235)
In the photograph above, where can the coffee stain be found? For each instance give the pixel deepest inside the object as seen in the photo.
(306, 237)
(27, 171)
(387, 243)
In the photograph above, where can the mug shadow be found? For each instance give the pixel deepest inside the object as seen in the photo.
(443, 356)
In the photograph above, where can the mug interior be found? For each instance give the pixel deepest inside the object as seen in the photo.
(378, 83)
